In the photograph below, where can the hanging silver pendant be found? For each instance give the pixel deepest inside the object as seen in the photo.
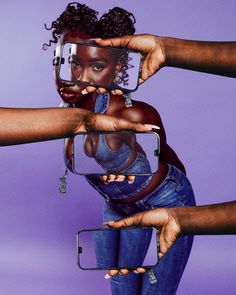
(63, 183)
(128, 101)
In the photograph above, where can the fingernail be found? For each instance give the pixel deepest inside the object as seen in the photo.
(107, 222)
(113, 92)
(130, 181)
(95, 39)
(140, 81)
(135, 271)
(84, 91)
(107, 276)
(151, 126)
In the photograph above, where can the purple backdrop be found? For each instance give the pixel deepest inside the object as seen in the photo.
(37, 225)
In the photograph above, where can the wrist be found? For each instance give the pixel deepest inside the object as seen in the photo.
(176, 220)
(161, 47)
(170, 49)
(83, 121)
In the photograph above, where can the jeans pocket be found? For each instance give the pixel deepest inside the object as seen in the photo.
(168, 196)
(173, 199)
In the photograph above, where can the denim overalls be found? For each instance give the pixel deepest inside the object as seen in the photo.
(112, 160)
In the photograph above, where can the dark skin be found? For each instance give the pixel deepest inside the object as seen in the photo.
(94, 65)
(19, 126)
(211, 57)
(140, 112)
(157, 52)
(213, 219)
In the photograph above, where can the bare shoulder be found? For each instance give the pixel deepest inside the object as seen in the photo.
(142, 112)
(139, 112)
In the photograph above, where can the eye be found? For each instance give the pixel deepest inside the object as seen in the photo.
(98, 67)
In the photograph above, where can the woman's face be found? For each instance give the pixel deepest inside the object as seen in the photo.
(91, 65)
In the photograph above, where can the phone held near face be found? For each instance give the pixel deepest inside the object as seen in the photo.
(93, 65)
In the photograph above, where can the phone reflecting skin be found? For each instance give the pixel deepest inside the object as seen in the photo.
(107, 248)
(87, 159)
(93, 65)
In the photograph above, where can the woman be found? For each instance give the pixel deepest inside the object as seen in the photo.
(168, 187)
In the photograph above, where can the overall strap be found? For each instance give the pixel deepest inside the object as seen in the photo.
(102, 103)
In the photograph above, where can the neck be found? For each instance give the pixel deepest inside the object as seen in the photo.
(88, 102)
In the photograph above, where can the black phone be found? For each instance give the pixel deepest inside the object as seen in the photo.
(107, 248)
(93, 65)
(124, 152)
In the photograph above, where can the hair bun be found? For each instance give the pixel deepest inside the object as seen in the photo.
(117, 22)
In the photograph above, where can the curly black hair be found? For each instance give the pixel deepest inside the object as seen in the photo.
(115, 23)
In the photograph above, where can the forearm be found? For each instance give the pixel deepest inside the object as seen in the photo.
(30, 125)
(209, 219)
(211, 57)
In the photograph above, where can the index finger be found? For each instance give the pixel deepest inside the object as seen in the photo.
(126, 222)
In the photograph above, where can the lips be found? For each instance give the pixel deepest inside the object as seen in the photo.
(68, 95)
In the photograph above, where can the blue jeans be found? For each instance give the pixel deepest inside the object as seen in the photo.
(164, 278)
(111, 251)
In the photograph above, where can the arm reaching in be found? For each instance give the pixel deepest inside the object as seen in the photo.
(30, 125)
(157, 52)
(213, 219)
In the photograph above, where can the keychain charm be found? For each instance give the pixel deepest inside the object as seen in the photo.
(62, 183)
(128, 101)
(152, 277)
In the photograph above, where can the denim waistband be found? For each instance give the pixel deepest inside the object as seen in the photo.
(123, 190)
(141, 187)
(173, 173)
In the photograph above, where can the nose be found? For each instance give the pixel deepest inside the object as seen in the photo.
(84, 76)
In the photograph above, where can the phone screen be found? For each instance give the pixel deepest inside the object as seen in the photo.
(108, 67)
(117, 248)
(126, 153)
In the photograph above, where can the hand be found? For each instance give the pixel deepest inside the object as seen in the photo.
(99, 122)
(153, 55)
(117, 178)
(164, 220)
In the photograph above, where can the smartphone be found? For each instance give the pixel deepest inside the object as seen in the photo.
(93, 65)
(107, 248)
(126, 153)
